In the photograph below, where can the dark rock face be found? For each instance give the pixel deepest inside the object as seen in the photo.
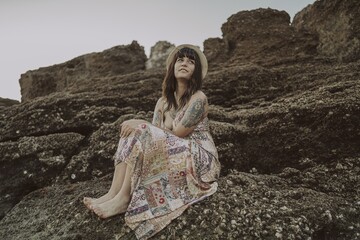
(6, 102)
(285, 118)
(337, 23)
(33, 162)
(82, 70)
(262, 35)
(246, 206)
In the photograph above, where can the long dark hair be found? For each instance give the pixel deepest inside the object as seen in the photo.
(169, 84)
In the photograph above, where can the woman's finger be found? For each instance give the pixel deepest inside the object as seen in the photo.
(129, 131)
(123, 130)
(126, 129)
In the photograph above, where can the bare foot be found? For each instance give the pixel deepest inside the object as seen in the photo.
(89, 202)
(111, 208)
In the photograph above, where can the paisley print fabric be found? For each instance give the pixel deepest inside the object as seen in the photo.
(168, 174)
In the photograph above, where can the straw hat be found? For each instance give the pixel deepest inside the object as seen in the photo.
(203, 60)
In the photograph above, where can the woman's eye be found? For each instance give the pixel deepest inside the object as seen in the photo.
(179, 59)
(192, 61)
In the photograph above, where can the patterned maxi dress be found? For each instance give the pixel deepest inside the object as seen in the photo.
(169, 173)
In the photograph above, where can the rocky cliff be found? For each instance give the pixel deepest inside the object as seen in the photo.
(337, 24)
(82, 70)
(6, 102)
(284, 113)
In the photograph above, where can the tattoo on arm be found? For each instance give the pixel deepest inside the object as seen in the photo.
(157, 118)
(194, 113)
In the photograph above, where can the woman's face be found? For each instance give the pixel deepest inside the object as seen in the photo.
(184, 68)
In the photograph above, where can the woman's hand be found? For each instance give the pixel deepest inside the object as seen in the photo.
(128, 127)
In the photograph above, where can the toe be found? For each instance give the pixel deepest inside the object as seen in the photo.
(97, 211)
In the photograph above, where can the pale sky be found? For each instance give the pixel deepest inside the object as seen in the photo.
(41, 33)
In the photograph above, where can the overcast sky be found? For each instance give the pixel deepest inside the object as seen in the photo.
(40, 33)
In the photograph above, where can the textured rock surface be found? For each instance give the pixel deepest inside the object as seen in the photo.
(337, 23)
(245, 41)
(159, 54)
(6, 102)
(82, 70)
(247, 206)
(286, 127)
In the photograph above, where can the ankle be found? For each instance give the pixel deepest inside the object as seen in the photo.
(124, 198)
(111, 193)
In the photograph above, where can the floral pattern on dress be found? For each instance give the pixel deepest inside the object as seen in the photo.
(169, 174)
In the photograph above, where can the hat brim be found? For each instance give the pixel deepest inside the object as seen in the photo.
(203, 60)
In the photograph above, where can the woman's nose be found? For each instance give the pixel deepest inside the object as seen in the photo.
(184, 63)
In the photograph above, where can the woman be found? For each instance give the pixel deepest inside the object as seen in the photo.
(163, 167)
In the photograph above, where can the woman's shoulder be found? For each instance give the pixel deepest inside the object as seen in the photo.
(161, 100)
(199, 99)
(160, 103)
(198, 95)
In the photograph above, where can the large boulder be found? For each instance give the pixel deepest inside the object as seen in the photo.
(82, 70)
(32, 163)
(158, 54)
(261, 35)
(6, 102)
(337, 23)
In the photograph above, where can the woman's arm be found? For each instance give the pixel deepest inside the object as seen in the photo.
(158, 115)
(195, 112)
(128, 126)
(157, 118)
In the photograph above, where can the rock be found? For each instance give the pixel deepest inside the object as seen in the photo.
(158, 55)
(279, 108)
(6, 102)
(44, 215)
(32, 163)
(82, 70)
(337, 23)
(261, 36)
(216, 50)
